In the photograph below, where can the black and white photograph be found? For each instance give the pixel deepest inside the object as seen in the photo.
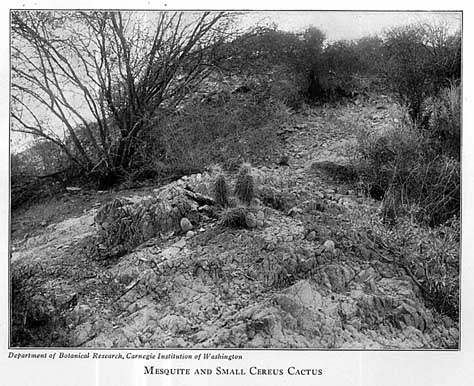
(251, 180)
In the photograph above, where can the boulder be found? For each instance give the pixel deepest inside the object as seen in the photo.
(330, 247)
(250, 220)
(185, 224)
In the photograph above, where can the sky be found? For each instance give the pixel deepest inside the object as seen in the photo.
(349, 24)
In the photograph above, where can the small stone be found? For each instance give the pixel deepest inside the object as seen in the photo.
(66, 300)
(260, 224)
(201, 336)
(205, 208)
(420, 273)
(365, 253)
(186, 224)
(250, 220)
(319, 194)
(255, 202)
(293, 211)
(329, 246)
(372, 284)
(260, 215)
(43, 223)
(73, 189)
(189, 234)
(271, 245)
(311, 236)
(448, 322)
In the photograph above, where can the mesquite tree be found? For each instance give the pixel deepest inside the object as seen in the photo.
(92, 82)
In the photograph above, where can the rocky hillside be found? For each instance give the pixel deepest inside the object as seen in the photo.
(305, 270)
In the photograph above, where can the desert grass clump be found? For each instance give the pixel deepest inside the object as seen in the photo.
(276, 199)
(221, 191)
(234, 217)
(245, 169)
(440, 260)
(245, 184)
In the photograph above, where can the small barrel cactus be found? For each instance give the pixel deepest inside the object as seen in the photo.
(245, 185)
(221, 192)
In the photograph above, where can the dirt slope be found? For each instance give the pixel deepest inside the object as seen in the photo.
(310, 275)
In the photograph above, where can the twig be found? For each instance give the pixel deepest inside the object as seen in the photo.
(128, 289)
(199, 198)
(413, 277)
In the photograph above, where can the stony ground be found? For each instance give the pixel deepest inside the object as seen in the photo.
(310, 275)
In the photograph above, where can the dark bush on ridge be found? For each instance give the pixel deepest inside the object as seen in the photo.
(420, 60)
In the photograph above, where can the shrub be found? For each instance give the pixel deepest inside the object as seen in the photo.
(244, 185)
(416, 180)
(221, 191)
(24, 190)
(419, 61)
(369, 54)
(234, 217)
(439, 256)
(298, 67)
(386, 158)
(276, 199)
(438, 189)
(202, 134)
(431, 255)
(443, 121)
(391, 206)
(36, 320)
(336, 171)
(342, 70)
(42, 170)
(27, 190)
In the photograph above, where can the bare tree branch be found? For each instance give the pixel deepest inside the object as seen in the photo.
(104, 75)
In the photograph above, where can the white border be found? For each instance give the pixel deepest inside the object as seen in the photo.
(341, 368)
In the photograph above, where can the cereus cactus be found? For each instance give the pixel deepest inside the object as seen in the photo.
(245, 185)
(221, 192)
